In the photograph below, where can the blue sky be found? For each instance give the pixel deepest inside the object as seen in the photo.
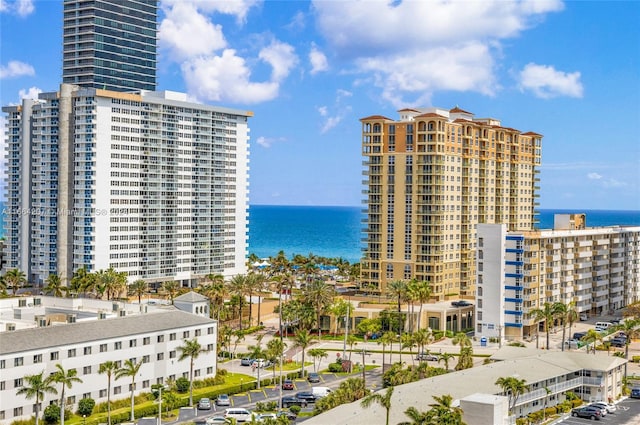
(309, 70)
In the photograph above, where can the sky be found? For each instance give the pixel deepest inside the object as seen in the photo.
(309, 70)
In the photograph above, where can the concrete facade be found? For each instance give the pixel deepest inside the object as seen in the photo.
(596, 268)
(431, 177)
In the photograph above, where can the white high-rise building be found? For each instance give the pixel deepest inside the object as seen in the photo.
(597, 269)
(147, 183)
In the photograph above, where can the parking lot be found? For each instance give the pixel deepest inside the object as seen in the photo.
(628, 413)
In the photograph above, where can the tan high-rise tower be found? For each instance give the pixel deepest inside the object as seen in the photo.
(433, 175)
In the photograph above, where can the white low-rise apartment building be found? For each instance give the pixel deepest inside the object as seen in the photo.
(596, 268)
(99, 331)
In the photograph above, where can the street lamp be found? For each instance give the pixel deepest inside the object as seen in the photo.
(160, 404)
(84, 419)
(241, 384)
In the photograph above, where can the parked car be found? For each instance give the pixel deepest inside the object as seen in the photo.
(246, 361)
(319, 392)
(579, 335)
(609, 407)
(426, 357)
(288, 414)
(460, 303)
(223, 400)
(584, 317)
(587, 412)
(261, 417)
(572, 343)
(618, 342)
(204, 404)
(238, 413)
(261, 363)
(635, 392)
(306, 395)
(603, 411)
(313, 378)
(291, 400)
(287, 384)
(215, 420)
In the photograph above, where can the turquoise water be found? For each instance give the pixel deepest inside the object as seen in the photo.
(336, 231)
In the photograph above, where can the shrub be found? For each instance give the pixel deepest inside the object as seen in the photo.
(261, 407)
(516, 344)
(550, 411)
(51, 414)
(182, 385)
(295, 409)
(85, 406)
(522, 421)
(635, 359)
(335, 367)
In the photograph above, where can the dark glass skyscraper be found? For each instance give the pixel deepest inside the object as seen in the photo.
(110, 44)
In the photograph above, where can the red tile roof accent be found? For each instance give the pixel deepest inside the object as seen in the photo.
(531, 133)
(430, 115)
(375, 117)
(458, 110)
(408, 109)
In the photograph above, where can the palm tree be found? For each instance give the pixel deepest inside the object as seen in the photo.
(303, 339)
(320, 296)
(629, 327)
(592, 336)
(130, 369)
(275, 350)
(465, 359)
(14, 279)
(171, 288)
(65, 378)
(339, 309)
(445, 357)
(108, 368)
(422, 338)
(82, 281)
(139, 288)
(420, 292)
(398, 290)
(387, 338)
(513, 388)
(237, 287)
(37, 387)
(54, 286)
(191, 349)
(383, 400)
(548, 313)
(319, 354)
(566, 313)
(443, 412)
(407, 341)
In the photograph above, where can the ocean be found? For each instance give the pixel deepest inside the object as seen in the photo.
(336, 231)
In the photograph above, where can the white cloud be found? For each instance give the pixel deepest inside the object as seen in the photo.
(16, 69)
(281, 57)
(237, 8)
(297, 23)
(418, 47)
(341, 111)
(19, 7)
(267, 142)
(610, 183)
(187, 33)
(318, 60)
(31, 93)
(594, 176)
(546, 82)
(226, 78)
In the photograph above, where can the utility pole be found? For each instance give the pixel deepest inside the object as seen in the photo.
(160, 405)
(281, 345)
(364, 378)
(346, 334)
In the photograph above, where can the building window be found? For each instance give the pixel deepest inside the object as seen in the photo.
(145, 359)
(159, 380)
(185, 334)
(198, 332)
(103, 348)
(172, 336)
(160, 338)
(87, 351)
(71, 400)
(196, 372)
(210, 330)
(71, 353)
(103, 393)
(86, 395)
(209, 347)
(117, 345)
(146, 340)
(54, 355)
(17, 411)
(86, 370)
(172, 354)
(2, 364)
(117, 390)
(2, 385)
(132, 343)
(17, 383)
(209, 370)
(145, 384)
(160, 356)
(18, 361)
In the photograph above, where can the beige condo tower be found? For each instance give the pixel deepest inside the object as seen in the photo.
(431, 177)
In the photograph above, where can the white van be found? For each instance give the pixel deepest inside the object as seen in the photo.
(319, 392)
(238, 413)
(603, 326)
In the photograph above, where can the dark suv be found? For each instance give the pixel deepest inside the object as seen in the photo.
(618, 341)
(460, 303)
(587, 412)
(635, 392)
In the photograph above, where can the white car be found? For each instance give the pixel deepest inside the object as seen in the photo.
(609, 407)
(261, 363)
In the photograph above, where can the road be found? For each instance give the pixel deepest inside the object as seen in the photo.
(628, 413)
